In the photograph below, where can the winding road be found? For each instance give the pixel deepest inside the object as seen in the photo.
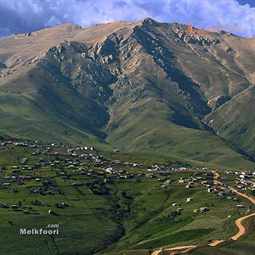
(239, 224)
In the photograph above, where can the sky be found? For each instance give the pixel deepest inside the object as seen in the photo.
(236, 16)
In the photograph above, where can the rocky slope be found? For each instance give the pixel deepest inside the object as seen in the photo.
(146, 86)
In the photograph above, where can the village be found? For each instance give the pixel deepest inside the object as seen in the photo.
(40, 165)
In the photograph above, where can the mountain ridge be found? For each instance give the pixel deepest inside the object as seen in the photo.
(142, 86)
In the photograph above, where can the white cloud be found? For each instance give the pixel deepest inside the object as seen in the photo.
(25, 15)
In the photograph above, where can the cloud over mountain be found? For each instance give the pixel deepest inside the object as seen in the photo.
(27, 15)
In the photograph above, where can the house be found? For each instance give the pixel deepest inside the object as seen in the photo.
(23, 161)
(209, 190)
(240, 206)
(188, 186)
(188, 200)
(109, 170)
(180, 181)
(51, 212)
(62, 205)
(204, 209)
(14, 207)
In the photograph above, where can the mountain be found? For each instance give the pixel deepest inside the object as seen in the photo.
(148, 87)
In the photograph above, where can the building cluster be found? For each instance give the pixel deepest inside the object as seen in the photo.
(40, 167)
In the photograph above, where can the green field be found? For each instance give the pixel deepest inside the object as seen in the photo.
(105, 214)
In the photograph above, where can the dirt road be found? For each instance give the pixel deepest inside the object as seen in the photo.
(215, 243)
(241, 228)
(239, 224)
(175, 250)
(251, 199)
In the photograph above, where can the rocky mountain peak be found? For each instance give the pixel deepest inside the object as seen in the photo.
(190, 34)
(149, 21)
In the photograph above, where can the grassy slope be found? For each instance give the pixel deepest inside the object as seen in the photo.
(24, 117)
(159, 136)
(34, 106)
(244, 247)
(93, 221)
(84, 220)
(153, 227)
(234, 120)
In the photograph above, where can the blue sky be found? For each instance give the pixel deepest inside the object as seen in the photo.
(237, 16)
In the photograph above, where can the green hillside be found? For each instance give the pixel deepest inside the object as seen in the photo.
(144, 87)
(126, 210)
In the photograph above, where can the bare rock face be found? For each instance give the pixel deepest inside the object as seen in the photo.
(73, 61)
(191, 35)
